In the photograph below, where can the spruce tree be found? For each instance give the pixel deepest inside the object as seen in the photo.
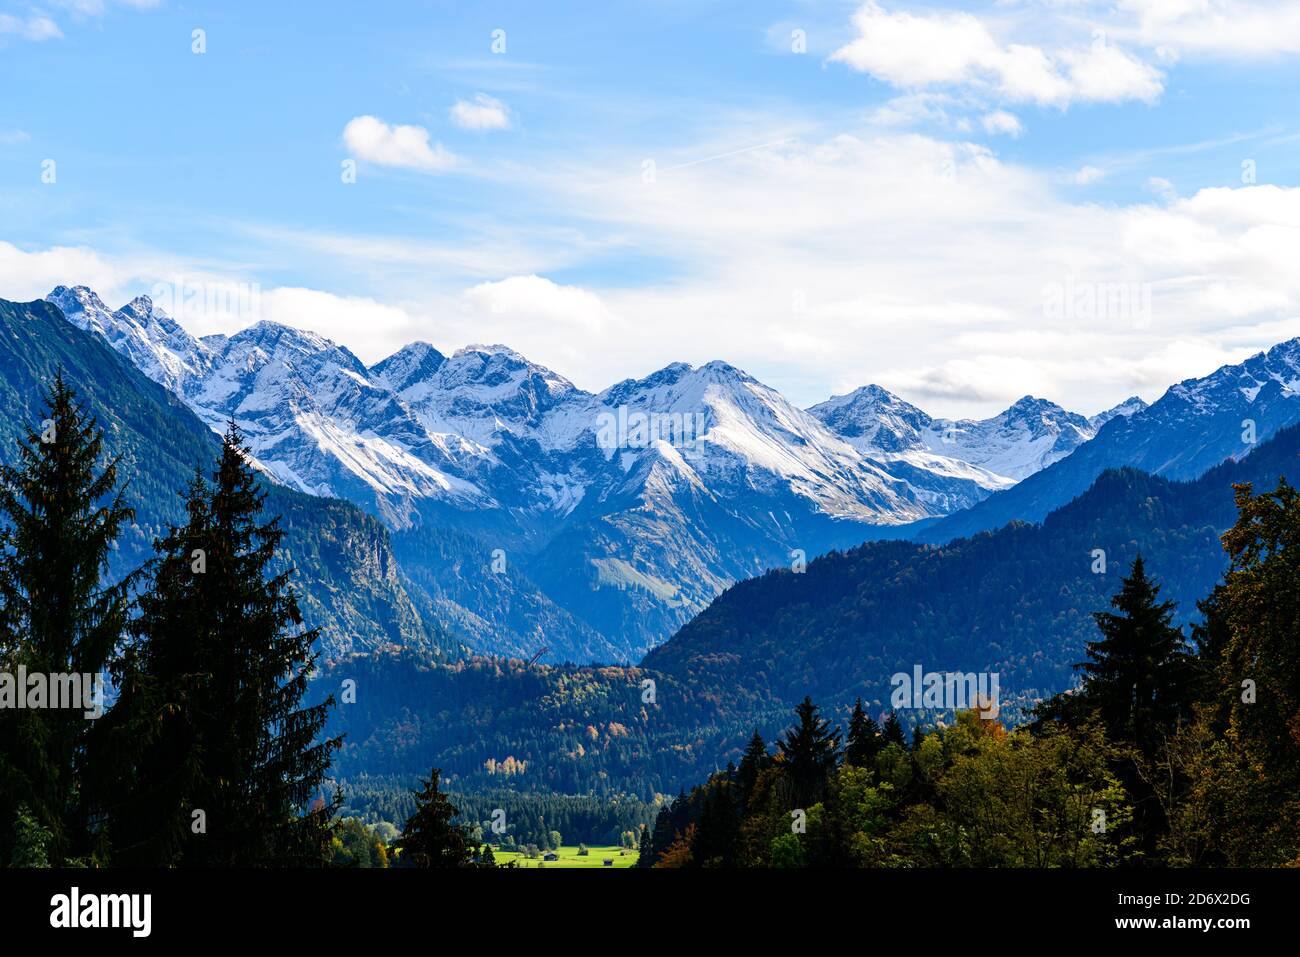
(811, 750)
(892, 732)
(645, 855)
(61, 509)
(717, 834)
(661, 838)
(431, 838)
(1138, 676)
(228, 771)
(864, 741)
(152, 756)
(752, 763)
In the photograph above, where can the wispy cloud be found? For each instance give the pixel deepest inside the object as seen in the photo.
(483, 113)
(35, 26)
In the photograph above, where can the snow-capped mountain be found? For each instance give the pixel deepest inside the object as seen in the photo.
(316, 422)
(1129, 406)
(619, 514)
(1194, 426)
(1030, 435)
(710, 476)
(952, 464)
(154, 342)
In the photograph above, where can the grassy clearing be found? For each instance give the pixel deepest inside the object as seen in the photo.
(569, 858)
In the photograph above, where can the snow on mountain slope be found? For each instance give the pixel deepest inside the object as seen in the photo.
(1129, 406)
(315, 420)
(1194, 426)
(153, 341)
(481, 392)
(954, 464)
(1029, 436)
(741, 435)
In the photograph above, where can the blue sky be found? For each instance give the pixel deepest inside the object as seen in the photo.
(822, 193)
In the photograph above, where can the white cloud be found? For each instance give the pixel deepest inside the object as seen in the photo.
(9, 137)
(955, 49)
(97, 8)
(484, 113)
(1162, 188)
(366, 326)
(371, 139)
(817, 264)
(25, 276)
(1103, 73)
(923, 265)
(1001, 122)
(1237, 29)
(536, 300)
(35, 27)
(1086, 175)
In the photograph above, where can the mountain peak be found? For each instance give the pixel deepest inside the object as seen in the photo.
(151, 339)
(76, 299)
(720, 368)
(874, 419)
(495, 349)
(410, 365)
(1030, 403)
(273, 335)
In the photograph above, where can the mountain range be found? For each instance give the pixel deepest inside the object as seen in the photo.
(350, 584)
(1194, 426)
(510, 511)
(616, 516)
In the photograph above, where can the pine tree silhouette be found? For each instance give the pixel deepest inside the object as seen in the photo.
(430, 837)
(61, 509)
(811, 750)
(212, 690)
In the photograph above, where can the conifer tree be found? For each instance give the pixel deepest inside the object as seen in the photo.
(1138, 676)
(151, 756)
(752, 763)
(1261, 610)
(811, 750)
(229, 768)
(864, 741)
(661, 838)
(717, 834)
(431, 838)
(892, 732)
(61, 508)
(645, 854)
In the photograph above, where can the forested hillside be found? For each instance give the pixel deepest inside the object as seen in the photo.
(1017, 601)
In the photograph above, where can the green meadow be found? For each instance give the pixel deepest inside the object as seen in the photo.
(569, 857)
